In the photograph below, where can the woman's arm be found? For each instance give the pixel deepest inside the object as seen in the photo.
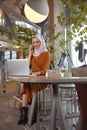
(30, 52)
(43, 63)
(46, 63)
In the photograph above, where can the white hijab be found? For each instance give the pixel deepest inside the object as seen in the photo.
(42, 46)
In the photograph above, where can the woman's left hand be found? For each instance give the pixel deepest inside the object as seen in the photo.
(35, 73)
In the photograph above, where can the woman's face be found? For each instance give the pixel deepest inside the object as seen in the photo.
(36, 43)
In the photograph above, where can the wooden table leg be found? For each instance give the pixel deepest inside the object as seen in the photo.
(82, 97)
(56, 108)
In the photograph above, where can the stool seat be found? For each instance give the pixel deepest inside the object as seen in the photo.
(66, 86)
(69, 101)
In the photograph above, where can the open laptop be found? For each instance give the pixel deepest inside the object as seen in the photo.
(18, 67)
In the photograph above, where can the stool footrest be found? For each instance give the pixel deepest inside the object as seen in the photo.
(18, 99)
(71, 115)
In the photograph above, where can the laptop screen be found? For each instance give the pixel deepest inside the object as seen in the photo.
(18, 67)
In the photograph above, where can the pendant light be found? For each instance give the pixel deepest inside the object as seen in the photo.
(1, 13)
(36, 11)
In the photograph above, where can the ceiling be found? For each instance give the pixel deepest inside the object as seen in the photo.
(14, 9)
(12, 2)
(15, 5)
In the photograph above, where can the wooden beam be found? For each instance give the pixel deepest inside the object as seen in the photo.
(51, 20)
(8, 49)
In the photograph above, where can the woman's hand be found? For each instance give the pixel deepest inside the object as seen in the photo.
(31, 49)
(36, 73)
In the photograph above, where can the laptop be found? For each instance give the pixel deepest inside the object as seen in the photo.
(18, 67)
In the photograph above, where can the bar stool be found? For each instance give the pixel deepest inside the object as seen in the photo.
(42, 102)
(69, 100)
(17, 97)
(5, 90)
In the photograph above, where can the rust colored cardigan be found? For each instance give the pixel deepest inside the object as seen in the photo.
(40, 63)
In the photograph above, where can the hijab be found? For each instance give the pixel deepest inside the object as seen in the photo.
(42, 46)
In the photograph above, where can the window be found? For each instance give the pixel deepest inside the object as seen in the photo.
(75, 55)
(7, 55)
(14, 54)
(10, 55)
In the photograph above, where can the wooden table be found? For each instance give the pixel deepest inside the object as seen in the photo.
(56, 104)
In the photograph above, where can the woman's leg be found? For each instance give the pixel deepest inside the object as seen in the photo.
(26, 99)
(23, 110)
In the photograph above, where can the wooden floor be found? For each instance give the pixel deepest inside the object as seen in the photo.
(8, 120)
(10, 115)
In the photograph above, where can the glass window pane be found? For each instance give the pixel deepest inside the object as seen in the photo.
(7, 55)
(14, 54)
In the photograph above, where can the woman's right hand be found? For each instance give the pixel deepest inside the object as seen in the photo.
(31, 50)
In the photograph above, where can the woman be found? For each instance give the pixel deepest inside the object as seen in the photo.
(39, 58)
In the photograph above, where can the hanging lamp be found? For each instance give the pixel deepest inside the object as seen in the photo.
(36, 11)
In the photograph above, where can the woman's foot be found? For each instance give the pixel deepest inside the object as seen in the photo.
(23, 117)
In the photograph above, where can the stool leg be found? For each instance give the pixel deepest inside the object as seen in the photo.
(32, 108)
(18, 93)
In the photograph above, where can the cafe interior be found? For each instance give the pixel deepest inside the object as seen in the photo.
(63, 25)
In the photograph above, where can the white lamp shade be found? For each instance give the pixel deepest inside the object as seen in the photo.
(1, 13)
(36, 11)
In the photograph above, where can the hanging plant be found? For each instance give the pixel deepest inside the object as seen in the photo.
(74, 21)
(24, 37)
(20, 36)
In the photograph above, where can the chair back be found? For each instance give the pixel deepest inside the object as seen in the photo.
(80, 71)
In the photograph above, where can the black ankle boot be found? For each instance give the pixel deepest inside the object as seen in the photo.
(23, 117)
